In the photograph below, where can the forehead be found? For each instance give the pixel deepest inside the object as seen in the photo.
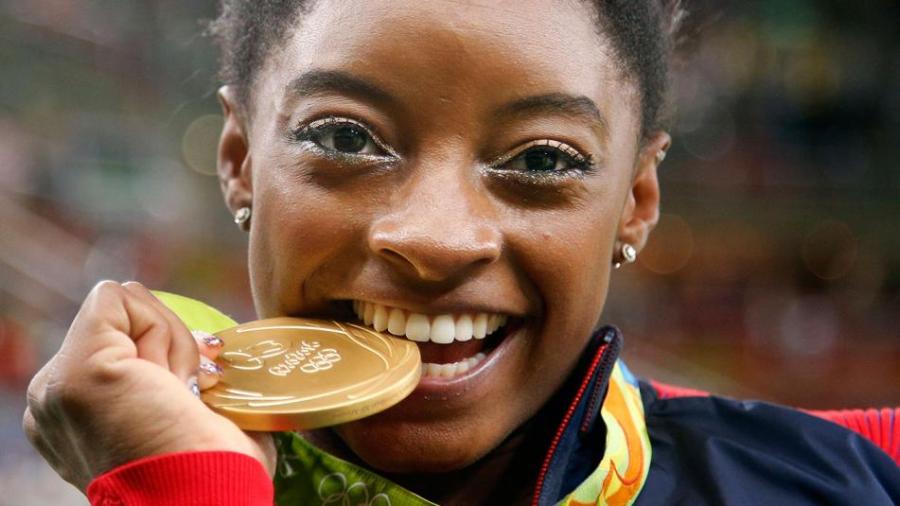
(459, 52)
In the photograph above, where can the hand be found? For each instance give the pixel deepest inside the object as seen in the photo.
(119, 389)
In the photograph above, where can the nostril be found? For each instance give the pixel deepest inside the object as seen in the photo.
(393, 256)
(435, 251)
(413, 264)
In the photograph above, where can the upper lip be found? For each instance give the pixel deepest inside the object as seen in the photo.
(443, 308)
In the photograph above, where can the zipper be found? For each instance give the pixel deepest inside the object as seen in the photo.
(596, 363)
(599, 391)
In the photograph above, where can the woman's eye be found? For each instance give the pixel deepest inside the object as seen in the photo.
(546, 158)
(341, 135)
(347, 139)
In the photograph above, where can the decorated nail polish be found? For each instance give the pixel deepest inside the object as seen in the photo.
(210, 368)
(194, 386)
(208, 339)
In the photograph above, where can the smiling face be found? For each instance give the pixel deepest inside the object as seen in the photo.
(447, 171)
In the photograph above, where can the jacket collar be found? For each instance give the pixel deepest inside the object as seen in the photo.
(598, 463)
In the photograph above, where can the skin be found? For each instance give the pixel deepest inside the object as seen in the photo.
(433, 228)
(435, 231)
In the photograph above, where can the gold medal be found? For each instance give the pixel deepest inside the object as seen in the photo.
(299, 373)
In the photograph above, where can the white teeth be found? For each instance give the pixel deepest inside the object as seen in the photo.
(463, 328)
(479, 326)
(369, 313)
(453, 370)
(441, 329)
(418, 328)
(397, 322)
(380, 318)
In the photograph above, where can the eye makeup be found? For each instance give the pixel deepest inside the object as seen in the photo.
(544, 159)
(349, 141)
(343, 139)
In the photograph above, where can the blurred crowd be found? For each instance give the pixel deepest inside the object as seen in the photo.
(774, 272)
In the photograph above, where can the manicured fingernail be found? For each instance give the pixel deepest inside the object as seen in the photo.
(194, 386)
(208, 339)
(213, 341)
(211, 368)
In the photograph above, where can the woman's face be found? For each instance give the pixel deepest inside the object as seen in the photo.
(452, 166)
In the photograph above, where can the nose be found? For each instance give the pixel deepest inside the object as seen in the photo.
(437, 229)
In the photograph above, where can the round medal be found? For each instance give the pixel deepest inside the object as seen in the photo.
(299, 373)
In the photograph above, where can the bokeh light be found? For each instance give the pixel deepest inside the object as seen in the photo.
(198, 145)
(829, 249)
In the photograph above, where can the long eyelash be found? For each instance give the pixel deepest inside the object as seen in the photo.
(307, 131)
(579, 164)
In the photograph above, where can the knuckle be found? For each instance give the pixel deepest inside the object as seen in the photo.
(57, 398)
(165, 327)
(106, 286)
(30, 425)
(61, 399)
(102, 295)
(135, 285)
(35, 388)
(36, 395)
(104, 369)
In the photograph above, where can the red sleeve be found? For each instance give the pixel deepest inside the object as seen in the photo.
(192, 478)
(880, 426)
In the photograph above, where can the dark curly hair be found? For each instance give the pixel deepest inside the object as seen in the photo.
(642, 33)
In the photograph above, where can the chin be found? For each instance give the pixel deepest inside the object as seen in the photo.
(406, 448)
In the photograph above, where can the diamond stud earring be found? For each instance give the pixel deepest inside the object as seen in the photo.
(628, 254)
(242, 218)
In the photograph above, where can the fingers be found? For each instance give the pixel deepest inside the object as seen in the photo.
(208, 344)
(181, 354)
(114, 322)
(209, 373)
(108, 396)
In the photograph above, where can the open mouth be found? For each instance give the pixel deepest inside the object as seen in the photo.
(451, 344)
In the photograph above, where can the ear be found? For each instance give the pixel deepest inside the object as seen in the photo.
(641, 210)
(233, 156)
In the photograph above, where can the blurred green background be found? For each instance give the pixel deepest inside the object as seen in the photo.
(774, 273)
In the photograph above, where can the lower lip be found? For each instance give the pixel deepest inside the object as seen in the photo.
(473, 376)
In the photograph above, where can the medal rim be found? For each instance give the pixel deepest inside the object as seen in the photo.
(254, 419)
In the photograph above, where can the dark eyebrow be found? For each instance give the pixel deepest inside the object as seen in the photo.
(335, 81)
(555, 103)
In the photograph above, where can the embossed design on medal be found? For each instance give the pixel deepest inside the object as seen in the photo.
(300, 373)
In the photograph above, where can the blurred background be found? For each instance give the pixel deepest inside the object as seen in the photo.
(774, 272)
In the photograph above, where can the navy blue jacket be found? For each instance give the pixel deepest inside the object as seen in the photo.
(719, 451)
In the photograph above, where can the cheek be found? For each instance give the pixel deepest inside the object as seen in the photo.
(568, 256)
(298, 226)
